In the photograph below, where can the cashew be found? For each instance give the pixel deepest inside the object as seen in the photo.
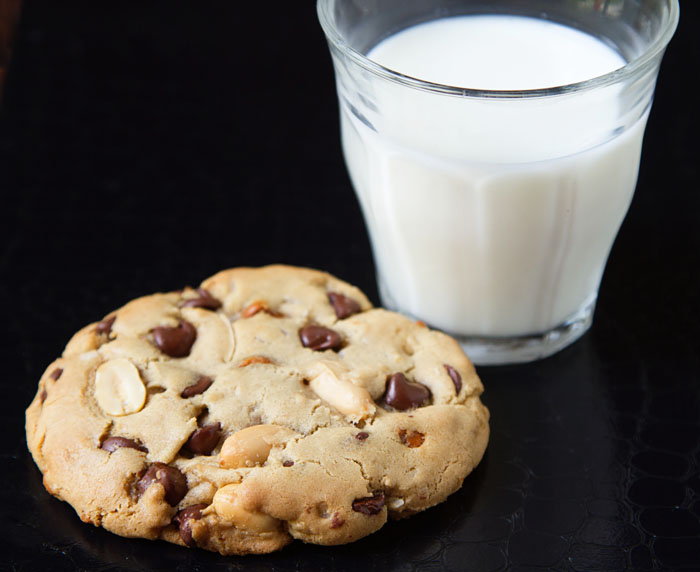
(329, 383)
(251, 446)
(119, 389)
(228, 505)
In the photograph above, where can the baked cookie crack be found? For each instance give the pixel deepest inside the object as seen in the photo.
(365, 476)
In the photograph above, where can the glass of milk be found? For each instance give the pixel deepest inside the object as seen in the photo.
(494, 148)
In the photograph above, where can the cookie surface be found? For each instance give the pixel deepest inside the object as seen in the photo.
(268, 404)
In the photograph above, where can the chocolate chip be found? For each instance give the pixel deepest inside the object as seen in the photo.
(402, 394)
(343, 306)
(105, 326)
(362, 435)
(287, 463)
(190, 512)
(204, 439)
(56, 373)
(337, 521)
(175, 341)
(200, 386)
(111, 444)
(172, 480)
(183, 520)
(454, 375)
(204, 300)
(411, 439)
(319, 338)
(369, 505)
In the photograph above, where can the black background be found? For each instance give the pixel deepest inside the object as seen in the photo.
(146, 145)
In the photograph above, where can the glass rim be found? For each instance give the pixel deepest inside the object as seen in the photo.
(640, 62)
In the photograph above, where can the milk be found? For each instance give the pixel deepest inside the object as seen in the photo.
(490, 217)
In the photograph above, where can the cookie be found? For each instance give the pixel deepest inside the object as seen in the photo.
(268, 404)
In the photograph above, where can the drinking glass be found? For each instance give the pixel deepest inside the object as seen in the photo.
(492, 213)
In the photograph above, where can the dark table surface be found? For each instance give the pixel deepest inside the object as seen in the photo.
(146, 145)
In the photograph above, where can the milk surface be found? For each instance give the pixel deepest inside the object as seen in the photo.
(492, 217)
(497, 53)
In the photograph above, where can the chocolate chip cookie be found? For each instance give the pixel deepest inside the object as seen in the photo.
(266, 405)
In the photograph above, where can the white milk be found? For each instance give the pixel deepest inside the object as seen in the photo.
(492, 218)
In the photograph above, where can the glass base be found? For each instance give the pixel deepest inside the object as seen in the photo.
(522, 349)
(515, 349)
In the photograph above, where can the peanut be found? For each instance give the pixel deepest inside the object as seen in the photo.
(411, 439)
(253, 308)
(251, 446)
(254, 359)
(227, 504)
(119, 389)
(351, 400)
